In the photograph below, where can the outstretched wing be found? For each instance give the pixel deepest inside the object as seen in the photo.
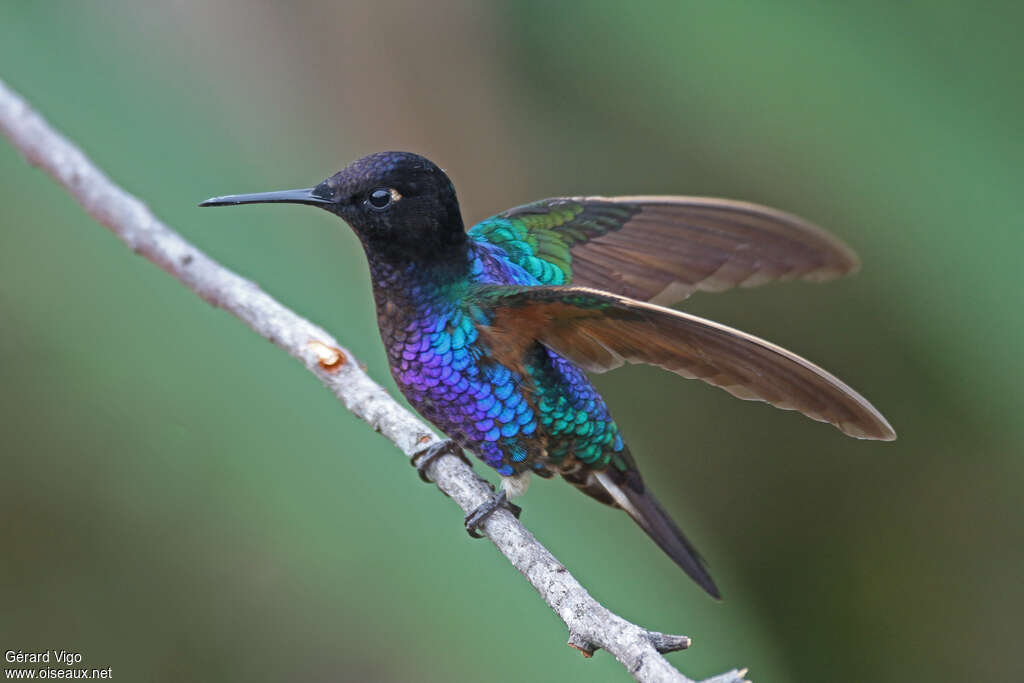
(662, 249)
(600, 331)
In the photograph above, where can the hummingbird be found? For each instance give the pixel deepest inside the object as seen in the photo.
(490, 332)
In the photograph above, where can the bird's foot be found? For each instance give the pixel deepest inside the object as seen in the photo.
(475, 518)
(421, 460)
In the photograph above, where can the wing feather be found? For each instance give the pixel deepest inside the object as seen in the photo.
(662, 249)
(600, 331)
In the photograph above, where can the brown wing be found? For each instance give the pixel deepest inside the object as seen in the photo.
(662, 249)
(600, 331)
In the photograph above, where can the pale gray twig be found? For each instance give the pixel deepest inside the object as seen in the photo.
(591, 625)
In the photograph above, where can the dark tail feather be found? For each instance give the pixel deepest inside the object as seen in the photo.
(632, 496)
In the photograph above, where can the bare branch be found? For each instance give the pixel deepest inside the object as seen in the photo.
(591, 625)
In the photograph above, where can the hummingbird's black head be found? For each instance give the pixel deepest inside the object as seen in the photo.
(402, 206)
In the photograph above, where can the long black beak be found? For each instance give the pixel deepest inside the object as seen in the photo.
(306, 196)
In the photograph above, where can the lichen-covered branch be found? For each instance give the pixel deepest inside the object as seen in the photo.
(591, 625)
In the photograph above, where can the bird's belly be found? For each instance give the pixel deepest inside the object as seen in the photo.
(544, 416)
(576, 421)
(481, 406)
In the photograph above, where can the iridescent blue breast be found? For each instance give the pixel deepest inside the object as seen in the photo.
(539, 412)
(446, 372)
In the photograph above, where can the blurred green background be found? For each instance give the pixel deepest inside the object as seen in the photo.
(181, 501)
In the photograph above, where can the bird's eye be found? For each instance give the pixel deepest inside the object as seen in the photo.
(381, 198)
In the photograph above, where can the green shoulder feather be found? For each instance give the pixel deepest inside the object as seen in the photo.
(662, 248)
